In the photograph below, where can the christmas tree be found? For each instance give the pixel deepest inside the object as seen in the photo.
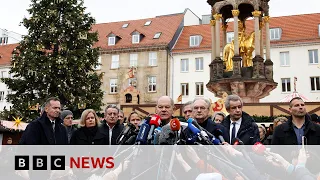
(56, 58)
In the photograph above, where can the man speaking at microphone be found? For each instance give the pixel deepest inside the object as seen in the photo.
(164, 109)
(200, 112)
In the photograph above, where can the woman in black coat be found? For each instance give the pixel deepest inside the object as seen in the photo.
(90, 131)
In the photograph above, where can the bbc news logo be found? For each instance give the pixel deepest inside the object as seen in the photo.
(59, 162)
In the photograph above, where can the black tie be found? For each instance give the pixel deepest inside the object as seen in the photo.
(233, 135)
(53, 125)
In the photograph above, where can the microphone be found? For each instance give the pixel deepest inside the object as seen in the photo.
(211, 136)
(202, 136)
(155, 121)
(259, 148)
(143, 132)
(175, 127)
(125, 133)
(156, 135)
(237, 141)
(218, 133)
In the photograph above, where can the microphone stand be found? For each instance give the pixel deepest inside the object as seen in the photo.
(237, 168)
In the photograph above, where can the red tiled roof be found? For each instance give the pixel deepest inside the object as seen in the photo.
(295, 29)
(6, 53)
(167, 25)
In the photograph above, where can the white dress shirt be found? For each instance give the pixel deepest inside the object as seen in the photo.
(110, 133)
(238, 123)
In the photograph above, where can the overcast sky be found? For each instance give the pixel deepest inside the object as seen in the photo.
(13, 11)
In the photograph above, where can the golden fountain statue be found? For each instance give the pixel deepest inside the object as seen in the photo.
(246, 47)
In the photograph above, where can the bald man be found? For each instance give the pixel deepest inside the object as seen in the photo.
(164, 109)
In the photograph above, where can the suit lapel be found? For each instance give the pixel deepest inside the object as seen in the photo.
(47, 128)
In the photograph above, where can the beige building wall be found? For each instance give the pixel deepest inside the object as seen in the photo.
(143, 71)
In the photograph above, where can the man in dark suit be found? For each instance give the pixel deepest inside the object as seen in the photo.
(47, 129)
(111, 123)
(238, 123)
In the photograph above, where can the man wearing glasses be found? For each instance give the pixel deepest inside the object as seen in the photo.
(111, 124)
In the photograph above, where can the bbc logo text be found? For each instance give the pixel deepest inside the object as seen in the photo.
(59, 162)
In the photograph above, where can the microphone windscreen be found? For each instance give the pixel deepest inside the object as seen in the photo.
(258, 148)
(175, 124)
(167, 136)
(155, 120)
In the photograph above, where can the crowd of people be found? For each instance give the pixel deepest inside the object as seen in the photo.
(197, 128)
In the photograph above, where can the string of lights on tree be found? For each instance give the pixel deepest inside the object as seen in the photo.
(56, 58)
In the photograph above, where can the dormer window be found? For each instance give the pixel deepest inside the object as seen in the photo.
(111, 41)
(147, 23)
(157, 35)
(195, 40)
(125, 25)
(275, 34)
(135, 38)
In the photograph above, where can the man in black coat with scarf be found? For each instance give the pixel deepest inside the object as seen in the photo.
(48, 129)
(238, 123)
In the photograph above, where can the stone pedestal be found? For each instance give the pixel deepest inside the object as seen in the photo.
(250, 90)
(258, 68)
(268, 65)
(213, 70)
(236, 67)
(219, 62)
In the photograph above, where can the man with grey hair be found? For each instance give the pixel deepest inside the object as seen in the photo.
(238, 123)
(111, 124)
(164, 109)
(200, 112)
(187, 110)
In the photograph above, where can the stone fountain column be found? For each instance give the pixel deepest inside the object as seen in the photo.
(258, 66)
(236, 59)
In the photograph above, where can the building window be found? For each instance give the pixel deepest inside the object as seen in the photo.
(184, 65)
(135, 38)
(230, 37)
(194, 40)
(199, 88)
(275, 34)
(115, 62)
(152, 84)
(152, 59)
(199, 64)
(133, 60)
(315, 83)
(319, 30)
(113, 85)
(4, 74)
(284, 59)
(313, 56)
(157, 35)
(98, 66)
(111, 41)
(185, 89)
(147, 23)
(1, 95)
(286, 85)
(125, 25)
